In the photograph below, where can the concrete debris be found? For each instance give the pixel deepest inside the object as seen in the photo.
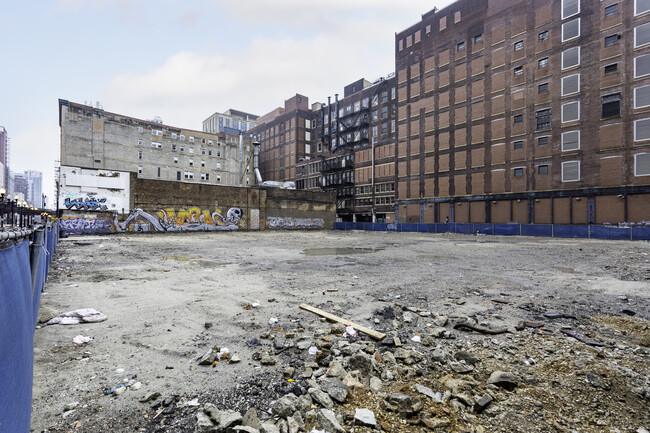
(365, 417)
(83, 315)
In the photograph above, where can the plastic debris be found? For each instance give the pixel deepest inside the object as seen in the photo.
(417, 339)
(273, 321)
(313, 350)
(80, 340)
(580, 337)
(349, 330)
(114, 389)
(83, 315)
(255, 304)
(222, 352)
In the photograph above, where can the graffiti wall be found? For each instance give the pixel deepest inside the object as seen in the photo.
(284, 223)
(94, 190)
(165, 220)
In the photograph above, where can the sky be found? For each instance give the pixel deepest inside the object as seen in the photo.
(182, 60)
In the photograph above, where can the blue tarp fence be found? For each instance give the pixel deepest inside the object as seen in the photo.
(634, 233)
(24, 264)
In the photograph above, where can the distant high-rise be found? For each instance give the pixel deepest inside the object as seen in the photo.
(232, 122)
(34, 188)
(4, 158)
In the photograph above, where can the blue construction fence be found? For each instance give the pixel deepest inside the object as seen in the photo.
(635, 233)
(24, 263)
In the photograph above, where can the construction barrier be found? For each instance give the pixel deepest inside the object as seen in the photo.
(634, 233)
(24, 264)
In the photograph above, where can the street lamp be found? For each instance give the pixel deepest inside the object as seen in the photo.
(3, 207)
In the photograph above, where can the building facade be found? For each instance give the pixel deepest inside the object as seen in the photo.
(285, 138)
(92, 138)
(529, 111)
(354, 151)
(4, 160)
(232, 121)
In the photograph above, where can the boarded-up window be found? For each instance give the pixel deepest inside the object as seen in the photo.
(457, 16)
(400, 44)
(641, 66)
(570, 57)
(570, 141)
(571, 30)
(570, 8)
(641, 6)
(443, 23)
(418, 36)
(570, 84)
(642, 129)
(642, 164)
(570, 171)
(642, 35)
(642, 97)
(570, 111)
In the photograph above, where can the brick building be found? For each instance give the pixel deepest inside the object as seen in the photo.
(232, 121)
(285, 138)
(530, 111)
(354, 152)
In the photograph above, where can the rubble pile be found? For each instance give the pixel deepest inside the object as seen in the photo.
(469, 378)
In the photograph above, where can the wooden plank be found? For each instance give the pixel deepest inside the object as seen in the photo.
(374, 334)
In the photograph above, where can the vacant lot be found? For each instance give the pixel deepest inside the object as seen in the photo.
(170, 298)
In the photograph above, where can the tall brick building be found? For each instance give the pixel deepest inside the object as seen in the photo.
(534, 111)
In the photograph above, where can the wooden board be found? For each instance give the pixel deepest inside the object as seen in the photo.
(374, 334)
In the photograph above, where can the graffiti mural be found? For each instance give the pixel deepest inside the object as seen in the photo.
(284, 223)
(90, 202)
(79, 225)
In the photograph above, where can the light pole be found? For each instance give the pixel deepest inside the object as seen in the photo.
(3, 210)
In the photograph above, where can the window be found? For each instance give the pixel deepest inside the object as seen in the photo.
(209, 152)
(191, 139)
(570, 141)
(518, 118)
(571, 30)
(519, 45)
(642, 97)
(140, 142)
(611, 105)
(570, 171)
(158, 171)
(570, 57)
(543, 119)
(460, 46)
(642, 35)
(173, 147)
(156, 144)
(205, 176)
(218, 178)
(384, 96)
(174, 135)
(642, 129)
(178, 175)
(641, 6)
(182, 137)
(218, 166)
(176, 160)
(191, 150)
(542, 63)
(189, 175)
(642, 164)
(139, 154)
(518, 145)
(202, 151)
(570, 84)
(542, 141)
(611, 40)
(139, 169)
(190, 162)
(182, 149)
(611, 69)
(202, 163)
(140, 129)
(478, 39)
(642, 66)
(443, 23)
(542, 169)
(519, 70)
(456, 16)
(542, 36)
(157, 132)
(570, 111)
(570, 8)
(611, 10)
(384, 112)
(393, 93)
(384, 128)
(519, 172)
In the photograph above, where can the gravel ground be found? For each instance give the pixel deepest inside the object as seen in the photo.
(170, 298)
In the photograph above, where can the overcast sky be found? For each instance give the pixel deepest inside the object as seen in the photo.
(182, 60)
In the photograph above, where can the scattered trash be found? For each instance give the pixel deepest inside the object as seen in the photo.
(544, 331)
(114, 390)
(223, 351)
(193, 402)
(207, 325)
(629, 312)
(273, 321)
(355, 278)
(255, 304)
(374, 334)
(559, 316)
(580, 337)
(417, 339)
(80, 340)
(313, 350)
(119, 371)
(84, 315)
(73, 285)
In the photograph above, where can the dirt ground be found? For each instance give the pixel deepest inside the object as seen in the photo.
(169, 298)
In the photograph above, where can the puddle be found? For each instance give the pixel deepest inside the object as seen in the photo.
(566, 270)
(338, 251)
(181, 259)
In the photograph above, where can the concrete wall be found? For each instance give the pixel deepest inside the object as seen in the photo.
(102, 190)
(164, 206)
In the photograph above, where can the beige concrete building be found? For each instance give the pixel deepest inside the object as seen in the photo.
(92, 138)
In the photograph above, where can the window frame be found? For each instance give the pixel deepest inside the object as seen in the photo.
(636, 139)
(562, 6)
(519, 170)
(635, 97)
(539, 167)
(636, 11)
(645, 26)
(518, 119)
(518, 71)
(615, 71)
(518, 145)
(545, 88)
(616, 37)
(609, 14)
(565, 39)
(519, 45)
(602, 105)
(566, 105)
(547, 114)
(566, 51)
(562, 140)
(635, 65)
(562, 93)
(542, 63)
(635, 164)
(562, 173)
(547, 141)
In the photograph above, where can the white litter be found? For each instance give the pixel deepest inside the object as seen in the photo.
(193, 402)
(349, 330)
(80, 340)
(417, 339)
(83, 315)
(273, 321)
(255, 304)
(313, 350)
(221, 352)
